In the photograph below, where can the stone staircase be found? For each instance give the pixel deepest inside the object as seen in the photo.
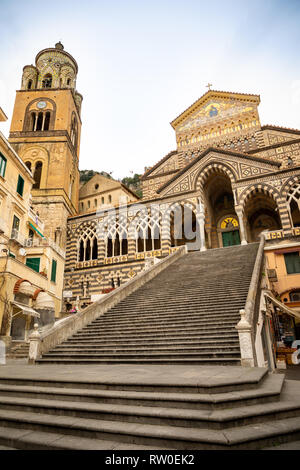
(18, 350)
(186, 315)
(153, 408)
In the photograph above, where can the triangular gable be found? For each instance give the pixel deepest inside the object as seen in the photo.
(216, 105)
(158, 167)
(241, 166)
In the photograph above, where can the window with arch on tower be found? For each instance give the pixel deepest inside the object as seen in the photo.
(29, 84)
(73, 134)
(37, 175)
(40, 121)
(47, 81)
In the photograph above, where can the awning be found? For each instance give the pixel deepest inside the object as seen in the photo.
(26, 310)
(282, 307)
(36, 230)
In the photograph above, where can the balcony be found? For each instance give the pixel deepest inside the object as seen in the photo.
(43, 242)
(17, 238)
(35, 218)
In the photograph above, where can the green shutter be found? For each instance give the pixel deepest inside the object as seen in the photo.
(33, 263)
(53, 271)
(20, 187)
(292, 262)
(3, 162)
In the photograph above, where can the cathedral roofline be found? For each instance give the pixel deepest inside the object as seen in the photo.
(274, 146)
(210, 94)
(213, 149)
(271, 127)
(166, 157)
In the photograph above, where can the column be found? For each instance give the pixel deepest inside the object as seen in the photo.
(239, 213)
(200, 216)
(165, 233)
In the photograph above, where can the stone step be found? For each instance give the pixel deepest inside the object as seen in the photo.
(157, 326)
(197, 292)
(167, 361)
(268, 391)
(254, 436)
(153, 379)
(220, 418)
(116, 350)
(146, 343)
(160, 329)
(196, 289)
(180, 308)
(27, 439)
(231, 333)
(162, 316)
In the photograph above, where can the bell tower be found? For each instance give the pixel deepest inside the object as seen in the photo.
(45, 132)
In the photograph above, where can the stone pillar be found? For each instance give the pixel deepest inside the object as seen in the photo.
(34, 345)
(165, 233)
(101, 250)
(200, 216)
(246, 343)
(239, 213)
(131, 243)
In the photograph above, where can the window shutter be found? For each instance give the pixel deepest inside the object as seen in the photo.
(20, 187)
(33, 263)
(3, 162)
(53, 270)
(292, 262)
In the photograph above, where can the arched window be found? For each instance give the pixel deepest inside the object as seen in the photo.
(47, 81)
(116, 238)
(37, 175)
(89, 204)
(29, 85)
(109, 198)
(28, 164)
(69, 81)
(95, 202)
(102, 200)
(73, 134)
(293, 199)
(88, 245)
(47, 121)
(40, 121)
(147, 234)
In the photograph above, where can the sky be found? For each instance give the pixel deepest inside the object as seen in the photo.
(142, 63)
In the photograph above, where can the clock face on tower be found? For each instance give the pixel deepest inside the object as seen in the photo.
(41, 104)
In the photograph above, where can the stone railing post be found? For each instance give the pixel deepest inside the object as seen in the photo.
(34, 345)
(246, 344)
(246, 326)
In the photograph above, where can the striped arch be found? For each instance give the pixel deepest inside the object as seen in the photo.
(213, 167)
(288, 185)
(275, 195)
(258, 188)
(177, 205)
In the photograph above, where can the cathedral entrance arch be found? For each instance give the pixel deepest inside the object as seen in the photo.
(220, 210)
(261, 213)
(229, 234)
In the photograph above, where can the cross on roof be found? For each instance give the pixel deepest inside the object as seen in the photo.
(208, 86)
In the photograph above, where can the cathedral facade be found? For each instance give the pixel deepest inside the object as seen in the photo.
(229, 179)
